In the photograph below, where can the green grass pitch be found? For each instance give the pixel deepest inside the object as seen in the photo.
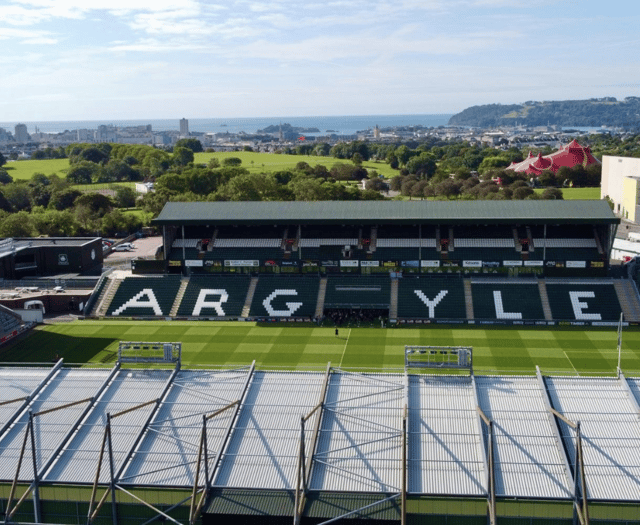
(495, 350)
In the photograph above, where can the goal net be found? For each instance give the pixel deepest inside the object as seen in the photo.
(129, 352)
(438, 357)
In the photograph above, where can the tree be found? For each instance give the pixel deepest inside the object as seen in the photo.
(97, 203)
(357, 159)
(232, 161)
(82, 173)
(55, 223)
(18, 195)
(63, 199)
(182, 156)
(3, 160)
(193, 144)
(213, 163)
(424, 165)
(125, 197)
(522, 192)
(17, 225)
(552, 193)
(5, 178)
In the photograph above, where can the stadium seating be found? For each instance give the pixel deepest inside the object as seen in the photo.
(345, 291)
(9, 321)
(485, 254)
(583, 301)
(145, 296)
(285, 296)
(431, 298)
(214, 296)
(506, 301)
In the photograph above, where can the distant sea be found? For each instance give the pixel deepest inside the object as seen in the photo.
(345, 125)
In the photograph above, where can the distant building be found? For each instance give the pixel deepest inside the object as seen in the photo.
(106, 134)
(621, 183)
(21, 134)
(184, 127)
(376, 132)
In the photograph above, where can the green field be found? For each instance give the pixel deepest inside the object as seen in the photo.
(25, 169)
(270, 162)
(496, 350)
(578, 193)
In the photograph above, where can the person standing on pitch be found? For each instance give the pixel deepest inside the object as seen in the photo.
(336, 332)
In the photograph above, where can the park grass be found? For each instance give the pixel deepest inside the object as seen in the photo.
(577, 193)
(496, 350)
(271, 162)
(25, 169)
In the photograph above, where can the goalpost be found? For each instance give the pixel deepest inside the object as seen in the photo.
(439, 357)
(139, 352)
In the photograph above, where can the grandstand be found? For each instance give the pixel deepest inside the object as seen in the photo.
(465, 262)
(10, 324)
(240, 445)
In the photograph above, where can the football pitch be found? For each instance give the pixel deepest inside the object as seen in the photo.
(495, 350)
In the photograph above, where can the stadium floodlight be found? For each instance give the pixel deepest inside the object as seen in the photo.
(439, 357)
(142, 352)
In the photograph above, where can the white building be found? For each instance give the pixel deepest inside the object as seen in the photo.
(621, 183)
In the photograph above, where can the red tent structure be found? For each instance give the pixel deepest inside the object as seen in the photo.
(570, 155)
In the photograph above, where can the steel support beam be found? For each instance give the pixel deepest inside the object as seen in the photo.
(306, 468)
(28, 399)
(151, 417)
(625, 386)
(487, 453)
(578, 481)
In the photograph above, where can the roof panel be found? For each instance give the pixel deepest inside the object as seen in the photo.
(16, 383)
(168, 452)
(611, 433)
(262, 451)
(489, 212)
(66, 386)
(525, 443)
(360, 441)
(445, 455)
(79, 460)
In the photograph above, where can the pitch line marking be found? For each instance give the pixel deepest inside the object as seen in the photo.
(345, 347)
(568, 359)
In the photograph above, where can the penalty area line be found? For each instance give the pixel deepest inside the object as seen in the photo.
(345, 347)
(568, 359)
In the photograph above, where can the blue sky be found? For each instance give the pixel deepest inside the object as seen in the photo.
(135, 59)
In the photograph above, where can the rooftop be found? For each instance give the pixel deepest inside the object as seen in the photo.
(376, 212)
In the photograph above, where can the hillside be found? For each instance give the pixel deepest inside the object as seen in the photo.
(586, 113)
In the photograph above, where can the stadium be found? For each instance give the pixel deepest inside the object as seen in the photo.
(435, 433)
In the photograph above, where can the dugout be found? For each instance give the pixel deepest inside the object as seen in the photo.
(533, 238)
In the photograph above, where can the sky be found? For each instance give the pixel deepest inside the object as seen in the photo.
(137, 59)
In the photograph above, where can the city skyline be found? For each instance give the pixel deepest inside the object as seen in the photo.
(65, 60)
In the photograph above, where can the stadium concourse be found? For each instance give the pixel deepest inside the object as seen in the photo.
(479, 262)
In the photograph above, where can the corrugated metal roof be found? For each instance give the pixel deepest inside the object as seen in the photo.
(486, 212)
(16, 383)
(168, 452)
(263, 449)
(66, 386)
(527, 453)
(445, 455)
(330, 505)
(79, 460)
(610, 431)
(360, 441)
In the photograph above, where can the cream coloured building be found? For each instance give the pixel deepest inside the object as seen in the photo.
(621, 183)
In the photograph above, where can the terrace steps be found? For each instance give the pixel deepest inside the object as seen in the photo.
(393, 303)
(184, 282)
(544, 299)
(250, 293)
(468, 299)
(628, 300)
(107, 296)
(322, 292)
